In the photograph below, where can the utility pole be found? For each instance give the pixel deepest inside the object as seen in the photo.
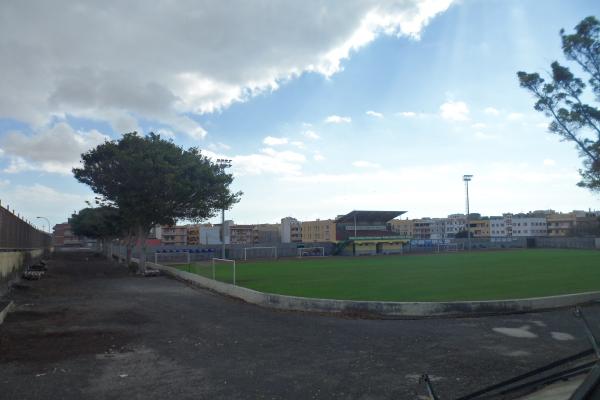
(467, 179)
(223, 163)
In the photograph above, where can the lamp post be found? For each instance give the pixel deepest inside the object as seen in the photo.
(467, 179)
(223, 163)
(47, 220)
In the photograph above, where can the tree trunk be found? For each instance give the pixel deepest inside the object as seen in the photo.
(128, 249)
(142, 235)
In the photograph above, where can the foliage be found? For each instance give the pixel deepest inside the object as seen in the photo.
(563, 98)
(153, 181)
(98, 223)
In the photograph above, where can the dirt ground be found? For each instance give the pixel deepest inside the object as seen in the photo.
(88, 330)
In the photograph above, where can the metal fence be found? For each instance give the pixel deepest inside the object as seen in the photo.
(17, 234)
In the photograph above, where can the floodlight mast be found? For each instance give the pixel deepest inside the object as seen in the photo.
(223, 163)
(467, 179)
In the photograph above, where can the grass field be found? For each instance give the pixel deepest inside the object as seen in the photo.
(435, 277)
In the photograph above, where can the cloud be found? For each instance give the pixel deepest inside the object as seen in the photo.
(374, 114)
(514, 116)
(219, 146)
(365, 164)
(298, 144)
(479, 125)
(309, 134)
(275, 141)
(491, 111)
(454, 111)
(549, 163)
(99, 61)
(57, 149)
(484, 136)
(407, 114)
(336, 119)
(317, 156)
(269, 161)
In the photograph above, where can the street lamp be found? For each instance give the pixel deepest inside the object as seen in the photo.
(223, 163)
(48, 221)
(467, 179)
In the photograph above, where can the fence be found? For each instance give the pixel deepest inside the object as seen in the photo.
(17, 234)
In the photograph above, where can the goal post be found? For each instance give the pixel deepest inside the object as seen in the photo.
(260, 252)
(170, 257)
(311, 252)
(215, 261)
(450, 247)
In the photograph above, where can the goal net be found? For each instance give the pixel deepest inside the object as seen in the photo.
(451, 247)
(311, 252)
(223, 270)
(260, 252)
(172, 257)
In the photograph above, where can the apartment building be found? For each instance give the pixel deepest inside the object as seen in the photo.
(529, 226)
(173, 235)
(455, 223)
(422, 228)
(480, 228)
(268, 233)
(291, 230)
(403, 227)
(318, 231)
(243, 234)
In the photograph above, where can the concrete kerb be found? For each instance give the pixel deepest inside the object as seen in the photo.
(383, 308)
(5, 309)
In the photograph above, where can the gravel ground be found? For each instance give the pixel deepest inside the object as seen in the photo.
(89, 330)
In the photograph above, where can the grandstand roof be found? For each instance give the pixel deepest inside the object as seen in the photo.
(383, 216)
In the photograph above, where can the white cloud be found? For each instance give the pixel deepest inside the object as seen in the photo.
(309, 134)
(484, 136)
(78, 62)
(454, 111)
(491, 111)
(549, 162)
(336, 119)
(298, 144)
(275, 141)
(514, 116)
(375, 114)
(407, 114)
(365, 164)
(57, 149)
(219, 146)
(269, 161)
(317, 156)
(479, 125)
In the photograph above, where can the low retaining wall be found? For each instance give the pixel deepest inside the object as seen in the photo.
(11, 264)
(396, 309)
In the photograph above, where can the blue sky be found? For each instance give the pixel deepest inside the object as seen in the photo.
(376, 106)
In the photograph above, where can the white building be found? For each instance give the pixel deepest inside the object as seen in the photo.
(454, 224)
(291, 230)
(510, 225)
(528, 226)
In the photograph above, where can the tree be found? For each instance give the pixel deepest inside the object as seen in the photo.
(153, 181)
(102, 223)
(563, 98)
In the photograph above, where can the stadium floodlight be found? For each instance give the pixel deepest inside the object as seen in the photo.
(223, 163)
(467, 179)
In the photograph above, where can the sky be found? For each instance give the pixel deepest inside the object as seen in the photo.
(323, 106)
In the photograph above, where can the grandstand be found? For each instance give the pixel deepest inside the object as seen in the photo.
(367, 233)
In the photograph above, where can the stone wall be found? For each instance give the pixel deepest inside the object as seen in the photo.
(12, 263)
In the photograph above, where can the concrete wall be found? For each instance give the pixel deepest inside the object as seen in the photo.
(12, 263)
(395, 309)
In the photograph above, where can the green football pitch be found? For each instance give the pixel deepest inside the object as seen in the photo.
(486, 275)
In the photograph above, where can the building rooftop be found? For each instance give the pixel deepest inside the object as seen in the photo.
(369, 216)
